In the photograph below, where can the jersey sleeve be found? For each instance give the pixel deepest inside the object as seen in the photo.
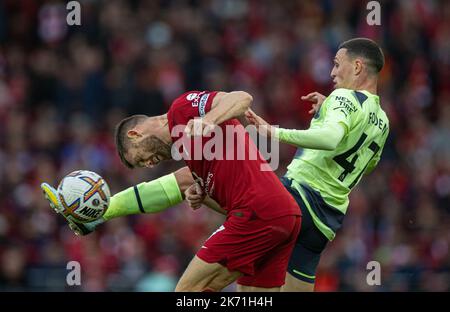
(340, 108)
(190, 105)
(325, 138)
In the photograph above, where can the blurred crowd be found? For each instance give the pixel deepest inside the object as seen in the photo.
(63, 88)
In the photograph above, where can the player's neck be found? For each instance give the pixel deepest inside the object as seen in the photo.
(369, 85)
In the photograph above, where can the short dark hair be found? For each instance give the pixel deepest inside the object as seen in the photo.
(122, 141)
(367, 49)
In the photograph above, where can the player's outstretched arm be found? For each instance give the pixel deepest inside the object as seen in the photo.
(266, 129)
(261, 125)
(325, 138)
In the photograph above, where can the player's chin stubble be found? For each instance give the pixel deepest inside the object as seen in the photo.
(159, 147)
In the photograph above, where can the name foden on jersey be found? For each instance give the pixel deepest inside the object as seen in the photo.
(377, 122)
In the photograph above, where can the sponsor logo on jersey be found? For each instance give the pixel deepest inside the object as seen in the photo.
(191, 96)
(195, 98)
(197, 179)
(202, 105)
(345, 105)
(206, 186)
(209, 189)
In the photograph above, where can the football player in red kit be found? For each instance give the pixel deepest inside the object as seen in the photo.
(254, 244)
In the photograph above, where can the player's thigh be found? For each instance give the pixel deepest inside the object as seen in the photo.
(203, 276)
(270, 269)
(243, 288)
(293, 284)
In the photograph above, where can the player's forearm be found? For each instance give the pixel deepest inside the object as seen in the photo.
(232, 105)
(326, 138)
(212, 204)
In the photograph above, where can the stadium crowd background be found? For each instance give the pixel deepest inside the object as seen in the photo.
(62, 89)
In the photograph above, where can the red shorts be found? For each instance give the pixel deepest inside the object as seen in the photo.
(260, 249)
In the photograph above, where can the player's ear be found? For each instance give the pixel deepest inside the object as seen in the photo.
(133, 134)
(358, 65)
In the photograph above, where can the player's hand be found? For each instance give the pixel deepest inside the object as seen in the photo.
(51, 195)
(198, 127)
(261, 125)
(194, 196)
(316, 98)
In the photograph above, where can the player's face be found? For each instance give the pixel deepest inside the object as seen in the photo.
(148, 152)
(342, 72)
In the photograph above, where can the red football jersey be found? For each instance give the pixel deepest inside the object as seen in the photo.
(235, 183)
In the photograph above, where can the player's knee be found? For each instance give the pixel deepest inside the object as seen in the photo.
(218, 283)
(221, 282)
(293, 284)
(301, 286)
(187, 286)
(184, 287)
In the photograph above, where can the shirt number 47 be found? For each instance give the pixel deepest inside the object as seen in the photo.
(349, 166)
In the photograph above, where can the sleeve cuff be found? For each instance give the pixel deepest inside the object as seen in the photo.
(277, 133)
